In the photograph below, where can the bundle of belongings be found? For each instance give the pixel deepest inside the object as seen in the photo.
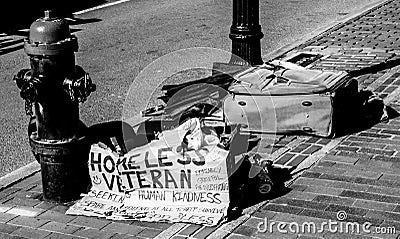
(189, 159)
(278, 97)
(184, 174)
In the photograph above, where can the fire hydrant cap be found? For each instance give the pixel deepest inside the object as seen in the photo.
(49, 36)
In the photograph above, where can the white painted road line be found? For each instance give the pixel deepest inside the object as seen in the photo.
(100, 7)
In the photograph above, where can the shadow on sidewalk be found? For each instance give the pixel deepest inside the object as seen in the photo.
(370, 109)
(243, 196)
(121, 132)
(372, 112)
(249, 182)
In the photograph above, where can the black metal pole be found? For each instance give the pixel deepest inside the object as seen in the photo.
(246, 33)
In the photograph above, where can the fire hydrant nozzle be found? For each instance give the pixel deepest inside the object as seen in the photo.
(29, 88)
(79, 86)
(52, 90)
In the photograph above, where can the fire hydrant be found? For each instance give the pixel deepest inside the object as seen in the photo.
(52, 90)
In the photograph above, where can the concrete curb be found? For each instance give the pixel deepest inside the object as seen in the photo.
(19, 174)
(171, 231)
(314, 158)
(319, 31)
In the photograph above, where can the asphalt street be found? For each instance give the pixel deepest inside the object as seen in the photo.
(118, 42)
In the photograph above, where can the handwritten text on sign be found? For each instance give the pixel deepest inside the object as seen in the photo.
(167, 169)
(168, 183)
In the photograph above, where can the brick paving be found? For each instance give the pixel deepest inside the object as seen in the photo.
(351, 179)
(360, 175)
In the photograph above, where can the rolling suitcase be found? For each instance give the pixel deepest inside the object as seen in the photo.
(291, 100)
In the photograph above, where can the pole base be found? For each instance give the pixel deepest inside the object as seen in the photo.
(246, 53)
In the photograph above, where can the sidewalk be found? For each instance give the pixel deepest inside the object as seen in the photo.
(357, 175)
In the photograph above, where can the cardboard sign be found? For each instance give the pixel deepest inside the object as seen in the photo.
(98, 203)
(103, 169)
(161, 181)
